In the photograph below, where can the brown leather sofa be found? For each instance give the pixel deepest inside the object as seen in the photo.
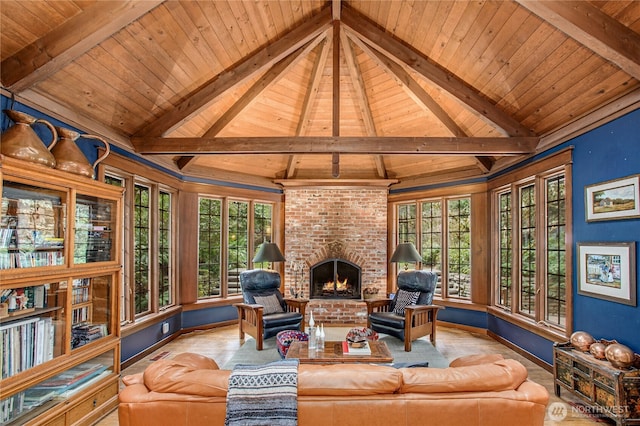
(474, 390)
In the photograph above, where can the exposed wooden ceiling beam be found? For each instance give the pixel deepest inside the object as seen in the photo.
(594, 29)
(267, 80)
(328, 144)
(484, 163)
(405, 54)
(309, 99)
(410, 86)
(362, 99)
(59, 47)
(419, 95)
(245, 69)
(335, 9)
(335, 156)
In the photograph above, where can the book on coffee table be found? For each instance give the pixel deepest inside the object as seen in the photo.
(349, 349)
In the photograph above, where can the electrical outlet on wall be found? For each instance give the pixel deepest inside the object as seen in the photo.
(165, 327)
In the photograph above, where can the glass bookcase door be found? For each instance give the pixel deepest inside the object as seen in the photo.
(32, 226)
(32, 326)
(91, 309)
(95, 223)
(23, 406)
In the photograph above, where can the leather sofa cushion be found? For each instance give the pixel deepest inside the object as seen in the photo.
(357, 379)
(475, 359)
(191, 375)
(506, 374)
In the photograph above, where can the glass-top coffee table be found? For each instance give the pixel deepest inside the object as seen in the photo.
(332, 353)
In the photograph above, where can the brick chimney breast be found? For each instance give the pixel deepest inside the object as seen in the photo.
(336, 222)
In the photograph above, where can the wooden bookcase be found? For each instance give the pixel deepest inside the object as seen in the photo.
(60, 273)
(608, 391)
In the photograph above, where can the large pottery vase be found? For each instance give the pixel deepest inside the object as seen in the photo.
(70, 158)
(21, 141)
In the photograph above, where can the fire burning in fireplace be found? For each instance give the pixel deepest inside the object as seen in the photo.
(337, 286)
(335, 279)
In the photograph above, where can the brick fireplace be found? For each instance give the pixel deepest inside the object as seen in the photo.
(336, 222)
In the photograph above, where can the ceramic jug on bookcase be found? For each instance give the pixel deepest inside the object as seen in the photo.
(69, 157)
(21, 141)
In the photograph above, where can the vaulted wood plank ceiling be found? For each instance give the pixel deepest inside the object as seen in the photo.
(260, 91)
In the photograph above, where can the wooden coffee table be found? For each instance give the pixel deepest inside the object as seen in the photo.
(332, 353)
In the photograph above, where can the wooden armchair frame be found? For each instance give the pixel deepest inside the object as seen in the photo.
(419, 320)
(250, 318)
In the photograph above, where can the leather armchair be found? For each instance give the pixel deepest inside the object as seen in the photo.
(419, 319)
(259, 320)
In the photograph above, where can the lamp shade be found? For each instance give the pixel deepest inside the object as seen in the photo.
(405, 253)
(268, 252)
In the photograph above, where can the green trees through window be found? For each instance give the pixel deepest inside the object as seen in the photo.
(249, 224)
(427, 235)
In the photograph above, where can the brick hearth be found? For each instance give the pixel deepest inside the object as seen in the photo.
(336, 222)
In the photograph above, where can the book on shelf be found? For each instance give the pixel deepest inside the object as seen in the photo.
(349, 349)
(25, 344)
(72, 378)
(34, 397)
(84, 333)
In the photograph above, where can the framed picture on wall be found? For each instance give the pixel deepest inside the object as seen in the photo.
(614, 199)
(608, 271)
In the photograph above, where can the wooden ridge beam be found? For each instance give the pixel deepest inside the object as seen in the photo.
(329, 144)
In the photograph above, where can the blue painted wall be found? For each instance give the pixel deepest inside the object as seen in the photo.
(140, 341)
(609, 152)
(468, 317)
(200, 317)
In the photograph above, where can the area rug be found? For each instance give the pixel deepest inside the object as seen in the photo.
(421, 350)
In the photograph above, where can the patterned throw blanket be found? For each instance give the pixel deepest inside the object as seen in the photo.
(263, 395)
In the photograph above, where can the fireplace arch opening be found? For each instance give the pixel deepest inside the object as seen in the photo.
(335, 279)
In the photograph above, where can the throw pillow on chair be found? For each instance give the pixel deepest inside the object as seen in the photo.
(270, 303)
(403, 299)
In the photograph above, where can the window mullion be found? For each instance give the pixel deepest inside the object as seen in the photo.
(541, 252)
(153, 247)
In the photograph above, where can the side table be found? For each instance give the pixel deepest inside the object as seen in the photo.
(612, 392)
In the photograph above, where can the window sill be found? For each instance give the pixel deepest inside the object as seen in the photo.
(210, 303)
(541, 330)
(147, 320)
(460, 303)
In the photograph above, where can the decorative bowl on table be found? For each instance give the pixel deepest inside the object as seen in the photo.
(360, 335)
